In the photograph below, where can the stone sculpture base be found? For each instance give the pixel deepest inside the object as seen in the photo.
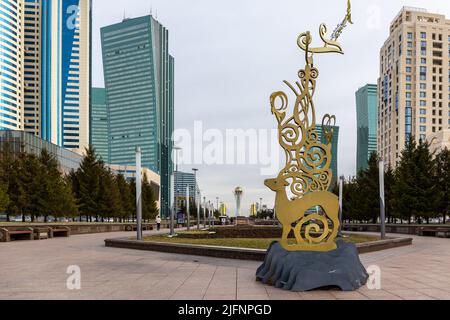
(302, 271)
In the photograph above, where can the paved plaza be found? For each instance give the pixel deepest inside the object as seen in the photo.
(37, 270)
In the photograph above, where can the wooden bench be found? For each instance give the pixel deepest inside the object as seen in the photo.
(133, 227)
(59, 231)
(41, 233)
(443, 232)
(428, 232)
(10, 234)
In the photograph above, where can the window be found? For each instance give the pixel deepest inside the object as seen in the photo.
(423, 60)
(423, 35)
(408, 87)
(423, 129)
(423, 112)
(408, 78)
(423, 103)
(408, 61)
(408, 69)
(423, 120)
(410, 35)
(423, 86)
(423, 94)
(408, 95)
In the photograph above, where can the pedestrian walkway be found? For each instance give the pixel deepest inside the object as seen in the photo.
(37, 270)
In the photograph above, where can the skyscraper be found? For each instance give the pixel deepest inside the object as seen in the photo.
(182, 181)
(414, 82)
(334, 151)
(367, 114)
(11, 65)
(99, 122)
(50, 43)
(139, 80)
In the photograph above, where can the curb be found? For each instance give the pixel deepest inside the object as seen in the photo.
(235, 253)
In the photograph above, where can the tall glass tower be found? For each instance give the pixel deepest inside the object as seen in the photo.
(45, 66)
(367, 113)
(11, 59)
(99, 122)
(139, 81)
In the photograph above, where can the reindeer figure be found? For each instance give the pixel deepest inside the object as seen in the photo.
(307, 174)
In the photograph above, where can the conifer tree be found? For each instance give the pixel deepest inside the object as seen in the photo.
(442, 183)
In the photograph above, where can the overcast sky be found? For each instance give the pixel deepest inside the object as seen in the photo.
(232, 54)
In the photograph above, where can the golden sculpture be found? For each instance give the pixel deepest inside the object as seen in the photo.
(307, 174)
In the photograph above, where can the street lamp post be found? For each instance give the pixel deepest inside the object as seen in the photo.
(209, 213)
(195, 198)
(204, 211)
(382, 202)
(139, 193)
(341, 202)
(174, 207)
(177, 149)
(188, 209)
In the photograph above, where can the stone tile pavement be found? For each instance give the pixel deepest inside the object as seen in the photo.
(37, 271)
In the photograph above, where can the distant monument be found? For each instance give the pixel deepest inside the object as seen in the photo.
(238, 194)
(240, 220)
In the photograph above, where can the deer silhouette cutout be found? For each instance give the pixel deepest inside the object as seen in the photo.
(304, 182)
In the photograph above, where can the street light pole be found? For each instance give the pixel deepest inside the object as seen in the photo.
(188, 209)
(204, 211)
(341, 203)
(382, 202)
(139, 193)
(177, 149)
(195, 198)
(174, 207)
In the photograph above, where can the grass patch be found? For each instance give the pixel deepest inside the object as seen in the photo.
(243, 243)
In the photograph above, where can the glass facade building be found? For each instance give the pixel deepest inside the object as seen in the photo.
(46, 69)
(334, 151)
(20, 141)
(139, 82)
(367, 115)
(99, 122)
(184, 180)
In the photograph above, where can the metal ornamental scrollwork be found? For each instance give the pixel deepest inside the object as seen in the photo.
(304, 205)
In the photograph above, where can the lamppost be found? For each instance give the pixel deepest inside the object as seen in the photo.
(382, 202)
(204, 211)
(139, 193)
(188, 209)
(341, 201)
(195, 198)
(174, 207)
(177, 149)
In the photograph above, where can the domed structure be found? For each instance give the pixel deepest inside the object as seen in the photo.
(238, 190)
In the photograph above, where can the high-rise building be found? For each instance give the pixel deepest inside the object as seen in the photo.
(139, 81)
(51, 44)
(182, 182)
(11, 65)
(99, 122)
(334, 151)
(367, 115)
(414, 81)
